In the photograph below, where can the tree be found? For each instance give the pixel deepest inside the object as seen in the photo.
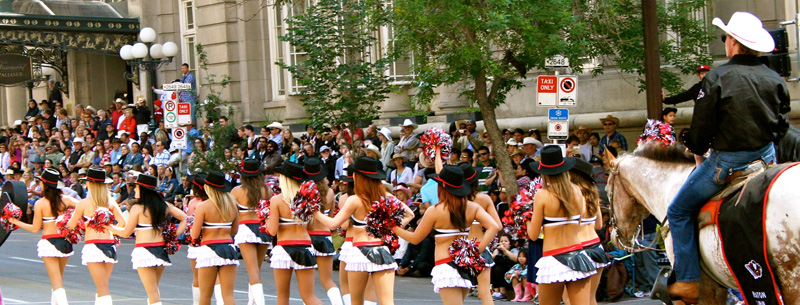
(340, 79)
(490, 45)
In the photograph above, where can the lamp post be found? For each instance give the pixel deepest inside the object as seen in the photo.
(148, 57)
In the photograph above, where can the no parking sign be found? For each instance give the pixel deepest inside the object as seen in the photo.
(179, 138)
(171, 114)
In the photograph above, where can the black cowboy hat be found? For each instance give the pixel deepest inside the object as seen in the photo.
(147, 181)
(583, 168)
(470, 174)
(348, 174)
(52, 178)
(97, 176)
(451, 178)
(553, 162)
(216, 180)
(199, 179)
(314, 169)
(369, 167)
(292, 171)
(250, 168)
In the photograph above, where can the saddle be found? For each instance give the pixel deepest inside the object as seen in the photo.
(736, 181)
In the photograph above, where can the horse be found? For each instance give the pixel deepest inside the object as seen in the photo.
(645, 182)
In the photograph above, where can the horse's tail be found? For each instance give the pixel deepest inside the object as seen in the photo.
(788, 149)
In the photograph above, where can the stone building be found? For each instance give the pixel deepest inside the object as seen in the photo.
(240, 38)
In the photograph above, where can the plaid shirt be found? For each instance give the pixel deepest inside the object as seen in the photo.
(188, 96)
(160, 159)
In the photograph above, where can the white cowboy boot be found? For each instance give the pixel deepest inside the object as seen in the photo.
(60, 297)
(218, 294)
(346, 299)
(156, 303)
(104, 300)
(195, 295)
(370, 302)
(335, 296)
(52, 297)
(256, 294)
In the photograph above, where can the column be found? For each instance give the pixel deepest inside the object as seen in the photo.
(16, 100)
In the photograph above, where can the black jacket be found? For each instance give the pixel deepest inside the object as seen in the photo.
(742, 106)
(687, 95)
(142, 115)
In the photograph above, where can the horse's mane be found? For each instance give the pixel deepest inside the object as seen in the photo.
(658, 152)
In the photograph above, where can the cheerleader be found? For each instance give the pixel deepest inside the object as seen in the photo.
(149, 217)
(217, 220)
(251, 241)
(557, 210)
(451, 219)
(293, 251)
(200, 196)
(476, 231)
(369, 294)
(54, 249)
(99, 252)
(321, 241)
(368, 258)
(591, 222)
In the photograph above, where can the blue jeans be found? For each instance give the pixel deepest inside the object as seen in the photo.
(705, 181)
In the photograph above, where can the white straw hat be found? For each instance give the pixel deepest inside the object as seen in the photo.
(748, 30)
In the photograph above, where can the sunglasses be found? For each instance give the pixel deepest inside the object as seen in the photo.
(464, 156)
(608, 124)
(724, 37)
(482, 154)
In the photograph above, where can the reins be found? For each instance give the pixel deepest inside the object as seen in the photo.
(633, 245)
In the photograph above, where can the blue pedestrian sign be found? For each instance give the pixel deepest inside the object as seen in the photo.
(556, 114)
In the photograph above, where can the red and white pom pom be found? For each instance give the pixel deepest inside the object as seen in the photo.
(189, 240)
(9, 211)
(433, 138)
(386, 213)
(465, 254)
(170, 234)
(306, 201)
(272, 184)
(75, 235)
(101, 219)
(336, 210)
(657, 131)
(520, 211)
(262, 212)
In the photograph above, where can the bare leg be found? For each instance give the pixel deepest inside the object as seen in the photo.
(343, 284)
(227, 279)
(485, 286)
(452, 296)
(550, 294)
(54, 271)
(594, 282)
(150, 278)
(305, 283)
(195, 283)
(100, 274)
(579, 291)
(358, 284)
(252, 262)
(206, 278)
(384, 286)
(282, 280)
(325, 269)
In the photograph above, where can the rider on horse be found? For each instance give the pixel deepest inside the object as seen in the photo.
(740, 112)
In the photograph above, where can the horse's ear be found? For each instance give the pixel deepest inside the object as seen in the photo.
(612, 161)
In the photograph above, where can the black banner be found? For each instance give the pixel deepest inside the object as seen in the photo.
(15, 69)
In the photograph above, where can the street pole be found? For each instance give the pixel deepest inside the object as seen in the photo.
(652, 60)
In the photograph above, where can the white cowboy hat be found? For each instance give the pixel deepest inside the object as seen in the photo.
(275, 125)
(17, 123)
(408, 122)
(748, 30)
(386, 133)
(511, 142)
(530, 140)
(375, 149)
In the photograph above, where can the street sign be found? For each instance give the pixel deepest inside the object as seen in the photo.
(558, 61)
(171, 114)
(567, 90)
(546, 91)
(184, 113)
(177, 87)
(179, 138)
(558, 124)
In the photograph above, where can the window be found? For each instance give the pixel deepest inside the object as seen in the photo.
(400, 70)
(279, 52)
(283, 51)
(188, 35)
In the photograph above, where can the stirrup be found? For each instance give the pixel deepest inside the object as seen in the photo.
(660, 289)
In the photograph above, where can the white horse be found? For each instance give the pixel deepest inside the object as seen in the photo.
(645, 182)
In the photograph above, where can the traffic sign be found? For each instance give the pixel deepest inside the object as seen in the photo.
(546, 91)
(558, 130)
(184, 113)
(556, 114)
(177, 87)
(171, 114)
(558, 61)
(567, 90)
(179, 138)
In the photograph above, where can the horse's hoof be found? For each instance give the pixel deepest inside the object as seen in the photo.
(661, 287)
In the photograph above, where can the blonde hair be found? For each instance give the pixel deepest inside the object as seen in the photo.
(560, 186)
(289, 188)
(99, 194)
(224, 202)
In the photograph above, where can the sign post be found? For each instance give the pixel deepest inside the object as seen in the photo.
(558, 124)
(179, 138)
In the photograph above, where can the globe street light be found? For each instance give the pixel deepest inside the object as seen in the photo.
(148, 57)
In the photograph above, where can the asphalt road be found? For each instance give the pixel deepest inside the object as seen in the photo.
(23, 280)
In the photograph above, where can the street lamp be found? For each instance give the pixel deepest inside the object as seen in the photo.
(149, 57)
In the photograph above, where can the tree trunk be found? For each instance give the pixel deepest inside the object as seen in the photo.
(498, 145)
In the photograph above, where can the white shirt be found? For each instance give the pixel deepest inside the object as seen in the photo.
(407, 176)
(586, 151)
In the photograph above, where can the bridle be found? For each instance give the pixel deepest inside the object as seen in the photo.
(633, 244)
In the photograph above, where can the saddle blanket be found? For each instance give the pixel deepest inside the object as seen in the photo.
(744, 241)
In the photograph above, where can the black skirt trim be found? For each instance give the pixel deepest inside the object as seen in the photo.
(108, 250)
(300, 255)
(487, 257)
(576, 260)
(323, 244)
(378, 255)
(225, 250)
(597, 254)
(61, 244)
(160, 252)
(464, 273)
(254, 227)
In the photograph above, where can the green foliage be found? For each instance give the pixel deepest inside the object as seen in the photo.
(341, 82)
(212, 107)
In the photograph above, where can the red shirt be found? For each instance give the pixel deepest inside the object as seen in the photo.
(115, 117)
(129, 125)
